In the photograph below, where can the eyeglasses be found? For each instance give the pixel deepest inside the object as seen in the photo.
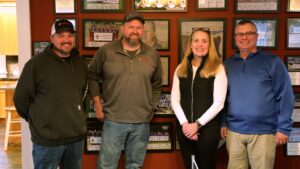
(194, 29)
(247, 34)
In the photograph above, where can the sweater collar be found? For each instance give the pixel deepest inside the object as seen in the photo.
(251, 55)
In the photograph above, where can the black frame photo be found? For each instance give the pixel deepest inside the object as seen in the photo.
(165, 63)
(160, 6)
(293, 144)
(102, 6)
(293, 6)
(97, 33)
(293, 33)
(64, 6)
(161, 136)
(93, 137)
(164, 106)
(217, 28)
(267, 30)
(207, 5)
(293, 66)
(39, 46)
(256, 6)
(157, 33)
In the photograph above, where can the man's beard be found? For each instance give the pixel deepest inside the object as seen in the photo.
(62, 51)
(132, 42)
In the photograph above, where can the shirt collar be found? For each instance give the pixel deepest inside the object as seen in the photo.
(238, 56)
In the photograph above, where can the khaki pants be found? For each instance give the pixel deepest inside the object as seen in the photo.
(244, 149)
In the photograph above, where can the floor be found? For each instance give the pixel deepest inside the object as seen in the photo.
(10, 159)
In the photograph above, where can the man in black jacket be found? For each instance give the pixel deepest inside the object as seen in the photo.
(49, 97)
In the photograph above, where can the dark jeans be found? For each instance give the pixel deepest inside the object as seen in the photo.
(65, 156)
(205, 149)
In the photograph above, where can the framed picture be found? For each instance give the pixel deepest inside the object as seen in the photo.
(211, 5)
(64, 7)
(39, 46)
(160, 5)
(297, 100)
(92, 140)
(164, 107)
(293, 66)
(293, 6)
(97, 33)
(296, 115)
(165, 61)
(98, 6)
(293, 145)
(293, 33)
(161, 137)
(156, 33)
(256, 6)
(216, 26)
(267, 32)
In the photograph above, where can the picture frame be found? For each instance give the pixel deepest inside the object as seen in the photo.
(160, 5)
(267, 29)
(164, 107)
(296, 115)
(39, 46)
(205, 5)
(165, 61)
(161, 136)
(217, 28)
(297, 100)
(157, 33)
(293, 6)
(100, 6)
(97, 33)
(292, 63)
(256, 6)
(293, 33)
(93, 136)
(64, 6)
(293, 144)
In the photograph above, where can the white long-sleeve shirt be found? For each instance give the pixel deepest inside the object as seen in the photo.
(219, 95)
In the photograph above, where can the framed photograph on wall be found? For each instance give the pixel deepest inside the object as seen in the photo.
(98, 6)
(293, 6)
(293, 144)
(64, 7)
(156, 33)
(256, 6)
(160, 5)
(164, 107)
(161, 136)
(93, 137)
(97, 33)
(216, 26)
(165, 61)
(39, 46)
(293, 66)
(211, 5)
(267, 31)
(293, 33)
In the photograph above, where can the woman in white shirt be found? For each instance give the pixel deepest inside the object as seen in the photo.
(198, 95)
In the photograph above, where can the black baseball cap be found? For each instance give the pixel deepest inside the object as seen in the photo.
(62, 25)
(133, 15)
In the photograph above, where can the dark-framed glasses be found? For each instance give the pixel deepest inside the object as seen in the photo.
(194, 29)
(245, 34)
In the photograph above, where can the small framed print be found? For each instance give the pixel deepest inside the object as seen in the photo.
(293, 6)
(296, 115)
(98, 6)
(156, 33)
(97, 33)
(92, 140)
(293, 145)
(293, 33)
(211, 5)
(165, 63)
(160, 5)
(267, 32)
(161, 136)
(164, 107)
(297, 100)
(293, 66)
(256, 6)
(39, 46)
(216, 26)
(64, 7)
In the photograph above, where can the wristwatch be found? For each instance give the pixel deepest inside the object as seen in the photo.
(198, 123)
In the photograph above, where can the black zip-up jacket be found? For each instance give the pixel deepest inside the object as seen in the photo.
(49, 96)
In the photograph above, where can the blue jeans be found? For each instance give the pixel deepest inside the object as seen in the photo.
(133, 138)
(66, 156)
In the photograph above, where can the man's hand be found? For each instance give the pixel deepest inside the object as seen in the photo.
(223, 132)
(99, 112)
(281, 138)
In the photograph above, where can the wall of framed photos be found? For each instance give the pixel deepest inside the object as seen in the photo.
(278, 23)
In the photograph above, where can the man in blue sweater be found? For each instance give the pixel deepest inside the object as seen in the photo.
(260, 102)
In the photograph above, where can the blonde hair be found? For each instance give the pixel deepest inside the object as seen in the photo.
(212, 62)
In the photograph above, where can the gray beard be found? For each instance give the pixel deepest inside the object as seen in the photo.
(132, 43)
